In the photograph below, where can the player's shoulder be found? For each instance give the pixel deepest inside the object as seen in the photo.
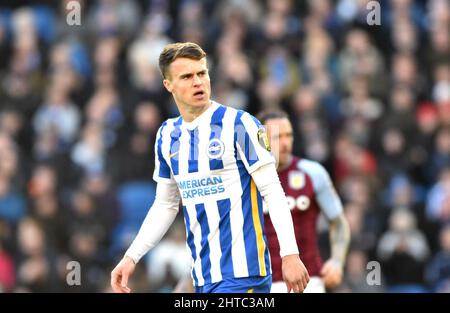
(170, 122)
(241, 116)
(311, 167)
(246, 118)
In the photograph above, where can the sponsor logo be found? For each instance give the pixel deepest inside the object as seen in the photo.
(215, 148)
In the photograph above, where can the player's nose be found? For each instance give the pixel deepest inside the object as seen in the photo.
(197, 81)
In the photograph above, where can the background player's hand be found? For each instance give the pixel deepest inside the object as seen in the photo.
(331, 273)
(295, 274)
(120, 275)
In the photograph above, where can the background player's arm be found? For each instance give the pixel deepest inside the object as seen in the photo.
(339, 231)
(339, 238)
(158, 220)
(332, 270)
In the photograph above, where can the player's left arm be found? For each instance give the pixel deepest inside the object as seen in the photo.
(253, 149)
(339, 231)
(294, 271)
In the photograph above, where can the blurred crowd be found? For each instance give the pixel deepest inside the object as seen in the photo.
(80, 105)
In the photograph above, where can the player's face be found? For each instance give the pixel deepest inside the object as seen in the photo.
(281, 139)
(188, 81)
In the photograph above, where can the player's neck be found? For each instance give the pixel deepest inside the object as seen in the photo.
(282, 166)
(189, 114)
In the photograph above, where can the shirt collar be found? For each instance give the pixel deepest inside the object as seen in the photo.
(202, 117)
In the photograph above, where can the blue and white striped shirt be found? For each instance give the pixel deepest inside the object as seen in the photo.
(210, 160)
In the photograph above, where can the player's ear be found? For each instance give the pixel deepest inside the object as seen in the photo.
(168, 84)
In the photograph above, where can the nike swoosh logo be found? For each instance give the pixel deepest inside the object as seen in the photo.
(173, 154)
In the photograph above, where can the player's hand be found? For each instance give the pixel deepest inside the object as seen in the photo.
(295, 274)
(331, 273)
(120, 275)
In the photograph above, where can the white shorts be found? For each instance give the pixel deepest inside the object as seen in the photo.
(315, 285)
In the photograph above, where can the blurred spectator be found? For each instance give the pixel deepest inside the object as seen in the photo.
(355, 278)
(59, 114)
(405, 72)
(361, 58)
(12, 201)
(279, 68)
(405, 36)
(46, 207)
(438, 270)
(394, 149)
(12, 204)
(402, 103)
(309, 125)
(169, 259)
(7, 271)
(89, 151)
(113, 17)
(351, 158)
(318, 68)
(440, 155)
(438, 204)
(441, 87)
(36, 271)
(403, 250)
(352, 10)
(363, 233)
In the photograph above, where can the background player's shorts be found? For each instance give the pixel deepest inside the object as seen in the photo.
(256, 284)
(315, 285)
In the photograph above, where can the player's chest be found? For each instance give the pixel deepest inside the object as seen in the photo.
(299, 190)
(197, 152)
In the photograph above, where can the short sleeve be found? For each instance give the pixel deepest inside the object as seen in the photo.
(252, 143)
(326, 195)
(162, 171)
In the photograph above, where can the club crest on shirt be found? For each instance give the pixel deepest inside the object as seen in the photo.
(215, 148)
(263, 139)
(296, 180)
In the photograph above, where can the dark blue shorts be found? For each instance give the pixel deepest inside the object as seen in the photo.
(257, 284)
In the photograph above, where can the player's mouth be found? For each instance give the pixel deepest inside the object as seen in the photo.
(199, 95)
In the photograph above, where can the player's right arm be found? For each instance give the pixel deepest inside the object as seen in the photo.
(158, 220)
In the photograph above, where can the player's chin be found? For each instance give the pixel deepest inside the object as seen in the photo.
(283, 158)
(199, 102)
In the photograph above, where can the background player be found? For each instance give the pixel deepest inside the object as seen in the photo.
(217, 161)
(309, 192)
